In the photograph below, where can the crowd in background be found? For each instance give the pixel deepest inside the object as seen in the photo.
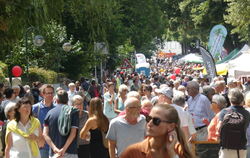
(128, 115)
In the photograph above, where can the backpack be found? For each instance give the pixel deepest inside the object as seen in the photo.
(232, 134)
(64, 119)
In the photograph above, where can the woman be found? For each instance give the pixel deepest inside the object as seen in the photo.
(218, 103)
(83, 145)
(9, 112)
(165, 138)
(97, 125)
(142, 90)
(109, 102)
(122, 96)
(23, 134)
(148, 92)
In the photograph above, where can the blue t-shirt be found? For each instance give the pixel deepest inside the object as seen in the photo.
(51, 121)
(40, 110)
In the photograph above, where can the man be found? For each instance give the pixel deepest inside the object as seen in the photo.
(219, 86)
(127, 129)
(233, 140)
(60, 145)
(71, 92)
(16, 90)
(199, 108)
(166, 96)
(41, 109)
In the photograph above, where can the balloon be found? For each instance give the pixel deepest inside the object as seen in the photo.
(173, 77)
(177, 71)
(17, 71)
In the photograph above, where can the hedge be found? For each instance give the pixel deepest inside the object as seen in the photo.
(42, 75)
(3, 70)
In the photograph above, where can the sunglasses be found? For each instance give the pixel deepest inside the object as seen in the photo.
(156, 121)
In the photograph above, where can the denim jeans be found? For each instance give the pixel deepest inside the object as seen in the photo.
(44, 153)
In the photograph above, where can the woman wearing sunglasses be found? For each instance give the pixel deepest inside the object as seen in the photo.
(165, 138)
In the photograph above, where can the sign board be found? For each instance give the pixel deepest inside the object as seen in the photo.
(126, 64)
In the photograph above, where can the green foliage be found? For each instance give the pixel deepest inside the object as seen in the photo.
(40, 74)
(239, 16)
(3, 71)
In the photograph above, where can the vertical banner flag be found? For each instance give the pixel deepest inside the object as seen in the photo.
(140, 58)
(216, 40)
(209, 63)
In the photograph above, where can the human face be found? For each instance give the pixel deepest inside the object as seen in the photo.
(11, 114)
(164, 99)
(158, 128)
(16, 91)
(133, 110)
(25, 110)
(78, 104)
(214, 107)
(148, 106)
(48, 94)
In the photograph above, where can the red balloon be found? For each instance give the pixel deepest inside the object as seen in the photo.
(177, 71)
(17, 71)
(173, 77)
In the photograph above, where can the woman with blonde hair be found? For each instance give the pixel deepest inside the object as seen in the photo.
(122, 96)
(97, 124)
(165, 138)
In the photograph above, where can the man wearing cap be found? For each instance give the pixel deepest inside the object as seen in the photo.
(166, 96)
(127, 129)
(199, 108)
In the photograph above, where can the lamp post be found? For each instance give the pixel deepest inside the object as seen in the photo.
(65, 47)
(38, 41)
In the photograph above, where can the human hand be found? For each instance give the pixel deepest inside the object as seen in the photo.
(205, 121)
(32, 136)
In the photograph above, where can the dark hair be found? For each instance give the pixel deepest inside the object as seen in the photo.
(148, 88)
(8, 92)
(22, 101)
(62, 97)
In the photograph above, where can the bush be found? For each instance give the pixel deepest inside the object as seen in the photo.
(3, 71)
(42, 75)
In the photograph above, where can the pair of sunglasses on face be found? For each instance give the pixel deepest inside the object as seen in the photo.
(156, 121)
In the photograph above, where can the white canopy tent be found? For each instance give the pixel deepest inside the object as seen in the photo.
(191, 58)
(240, 66)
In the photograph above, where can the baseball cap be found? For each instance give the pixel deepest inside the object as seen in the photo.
(168, 92)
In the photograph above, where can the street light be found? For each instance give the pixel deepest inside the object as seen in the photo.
(67, 48)
(37, 41)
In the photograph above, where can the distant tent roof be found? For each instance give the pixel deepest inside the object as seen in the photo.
(191, 58)
(230, 56)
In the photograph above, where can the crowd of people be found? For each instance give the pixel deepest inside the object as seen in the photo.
(130, 115)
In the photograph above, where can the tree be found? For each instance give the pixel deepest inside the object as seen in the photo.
(238, 15)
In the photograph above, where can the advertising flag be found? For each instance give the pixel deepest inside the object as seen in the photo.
(208, 62)
(216, 40)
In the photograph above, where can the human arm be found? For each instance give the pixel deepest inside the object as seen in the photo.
(71, 137)
(84, 131)
(48, 139)
(38, 138)
(116, 106)
(112, 145)
(9, 143)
